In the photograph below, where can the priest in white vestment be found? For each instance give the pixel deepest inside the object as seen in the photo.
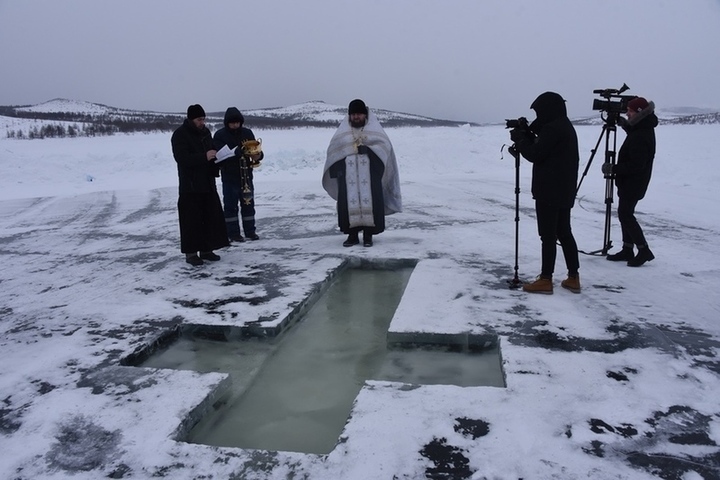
(361, 174)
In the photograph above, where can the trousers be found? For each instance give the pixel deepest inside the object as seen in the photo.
(632, 233)
(237, 199)
(554, 226)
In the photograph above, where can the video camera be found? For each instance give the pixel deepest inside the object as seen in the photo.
(520, 129)
(616, 107)
(521, 124)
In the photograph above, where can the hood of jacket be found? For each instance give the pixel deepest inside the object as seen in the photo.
(232, 114)
(549, 106)
(643, 119)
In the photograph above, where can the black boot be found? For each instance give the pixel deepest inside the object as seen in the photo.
(351, 240)
(367, 240)
(624, 255)
(644, 255)
(210, 256)
(193, 259)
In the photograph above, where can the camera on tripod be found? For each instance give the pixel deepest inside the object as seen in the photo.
(614, 103)
(520, 130)
(520, 124)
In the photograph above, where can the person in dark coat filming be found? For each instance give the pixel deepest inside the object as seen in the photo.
(236, 170)
(632, 176)
(202, 226)
(550, 144)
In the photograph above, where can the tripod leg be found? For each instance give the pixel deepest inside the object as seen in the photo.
(609, 187)
(592, 155)
(607, 242)
(515, 281)
(609, 132)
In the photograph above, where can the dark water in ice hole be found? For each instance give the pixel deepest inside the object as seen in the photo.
(295, 393)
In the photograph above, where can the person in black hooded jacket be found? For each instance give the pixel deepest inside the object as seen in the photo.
(551, 145)
(632, 176)
(202, 228)
(237, 176)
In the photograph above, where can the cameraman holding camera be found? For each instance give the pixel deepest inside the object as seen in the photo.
(550, 144)
(632, 177)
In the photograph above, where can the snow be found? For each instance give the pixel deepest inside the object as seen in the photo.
(599, 384)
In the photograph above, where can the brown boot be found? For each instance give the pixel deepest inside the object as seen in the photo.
(572, 283)
(540, 285)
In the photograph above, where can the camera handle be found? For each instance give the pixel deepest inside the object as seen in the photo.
(609, 133)
(515, 282)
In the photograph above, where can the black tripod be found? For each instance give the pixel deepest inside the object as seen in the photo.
(515, 282)
(609, 132)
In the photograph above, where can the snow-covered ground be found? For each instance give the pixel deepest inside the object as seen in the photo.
(619, 382)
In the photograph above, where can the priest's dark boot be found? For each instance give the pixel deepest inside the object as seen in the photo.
(352, 239)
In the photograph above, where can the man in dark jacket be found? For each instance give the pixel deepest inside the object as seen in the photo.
(552, 147)
(202, 228)
(237, 175)
(632, 177)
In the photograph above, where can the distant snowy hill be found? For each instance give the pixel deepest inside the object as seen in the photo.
(319, 111)
(312, 114)
(62, 105)
(684, 117)
(62, 117)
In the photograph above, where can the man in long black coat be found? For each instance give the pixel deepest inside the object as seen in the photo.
(552, 146)
(632, 177)
(202, 226)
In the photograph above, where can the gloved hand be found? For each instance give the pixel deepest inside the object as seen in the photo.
(255, 159)
(607, 168)
(517, 135)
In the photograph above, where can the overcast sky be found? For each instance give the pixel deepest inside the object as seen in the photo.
(466, 60)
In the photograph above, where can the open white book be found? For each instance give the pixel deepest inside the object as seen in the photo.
(224, 153)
